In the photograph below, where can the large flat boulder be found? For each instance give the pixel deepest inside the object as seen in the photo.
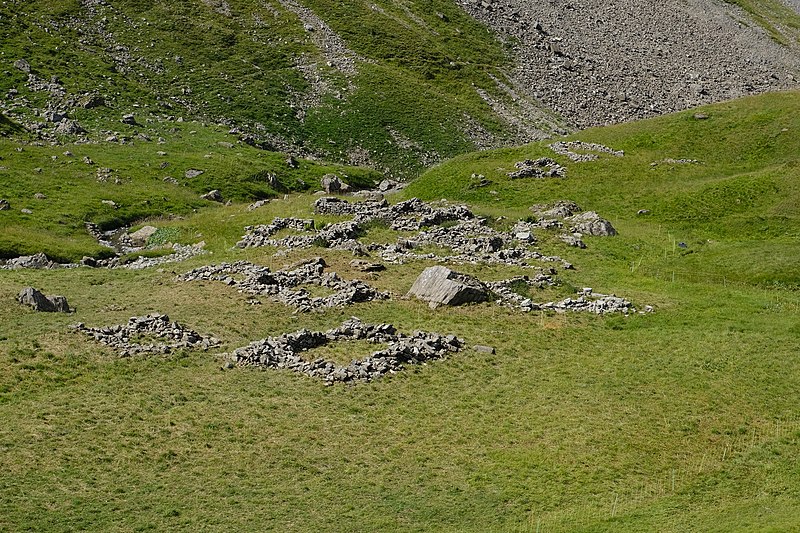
(439, 285)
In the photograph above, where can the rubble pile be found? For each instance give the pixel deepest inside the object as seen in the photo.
(141, 335)
(285, 351)
(286, 286)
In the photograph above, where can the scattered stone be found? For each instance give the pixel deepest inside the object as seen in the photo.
(40, 302)
(287, 286)
(213, 196)
(22, 65)
(26, 211)
(40, 196)
(110, 203)
(700, 116)
(225, 144)
(642, 212)
(543, 167)
(87, 160)
(366, 266)
(126, 338)
(69, 127)
(129, 119)
(4, 205)
(256, 205)
(439, 285)
(590, 223)
(285, 351)
(193, 173)
(38, 261)
(291, 162)
(140, 236)
(588, 151)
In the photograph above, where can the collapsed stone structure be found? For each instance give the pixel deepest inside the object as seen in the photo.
(286, 286)
(544, 167)
(150, 334)
(285, 351)
(455, 227)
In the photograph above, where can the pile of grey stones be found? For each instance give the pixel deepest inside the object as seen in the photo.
(285, 351)
(131, 338)
(544, 167)
(579, 151)
(286, 286)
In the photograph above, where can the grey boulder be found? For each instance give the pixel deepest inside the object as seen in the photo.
(40, 302)
(439, 285)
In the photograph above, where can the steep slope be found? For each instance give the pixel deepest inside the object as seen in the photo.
(599, 62)
(391, 85)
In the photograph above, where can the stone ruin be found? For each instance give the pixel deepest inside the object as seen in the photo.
(579, 151)
(544, 167)
(150, 334)
(285, 351)
(286, 286)
(439, 285)
(578, 223)
(446, 226)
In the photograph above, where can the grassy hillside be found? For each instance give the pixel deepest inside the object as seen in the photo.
(273, 69)
(142, 178)
(735, 204)
(683, 419)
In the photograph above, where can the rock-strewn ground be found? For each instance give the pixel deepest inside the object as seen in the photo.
(597, 62)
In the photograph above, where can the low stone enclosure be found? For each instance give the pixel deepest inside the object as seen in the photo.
(286, 286)
(454, 227)
(150, 334)
(284, 351)
(428, 226)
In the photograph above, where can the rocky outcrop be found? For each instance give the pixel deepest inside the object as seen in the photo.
(286, 351)
(439, 285)
(150, 334)
(590, 223)
(39, 302)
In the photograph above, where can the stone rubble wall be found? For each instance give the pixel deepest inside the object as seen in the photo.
(285, 286)
(285, 351)
(126, 338)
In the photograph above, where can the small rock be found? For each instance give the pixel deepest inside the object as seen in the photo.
(26, 211)
(483, 349)
(331, 183)
(4, 205)
(40, 196)
(193, 173)
(23, 65)
(642, 212)
(140, 236)
(700, 116)
(291, 162)
(366, 266)
(110, 203)
(213, 196)
(128, 119)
